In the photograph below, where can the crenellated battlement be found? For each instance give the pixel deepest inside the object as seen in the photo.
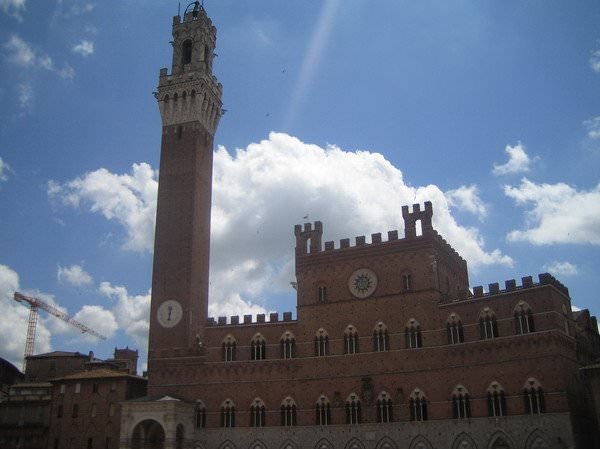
(308, 239)
(511, 286)
(260, 318)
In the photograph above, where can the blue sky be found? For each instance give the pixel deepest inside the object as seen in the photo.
(343, 111)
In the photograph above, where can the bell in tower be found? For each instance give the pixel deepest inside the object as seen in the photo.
(189, 100)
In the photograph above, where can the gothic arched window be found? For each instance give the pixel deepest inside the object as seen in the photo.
(385, 409)
(523, 318)
(412, 334)
(418, 406)
(381, 339)
(533, 397)
(353, 414)
(323, 411)
(350, 340)
(200, 415)
(288, 412)
(258, 348)
(228, 414)
(229, 346)
(287, 345)
(257, 413)
(454, 330)
(496, 400)
(321, 343)
(461, 405)
(488, 327)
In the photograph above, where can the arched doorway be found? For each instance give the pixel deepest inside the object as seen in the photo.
(148, 434)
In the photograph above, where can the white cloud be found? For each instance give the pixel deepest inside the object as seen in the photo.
(13, 321)
(129, 199)
(258, 196)
(561, 268)
(4, 170)
(593, 127)
(84, 48)
(595, 61)
(518, 161)
(99, 319)
(26, 95)
(467, 198)
(132, 313)
(13, 8)
(22, 54)
(74, 275)
(559, 213)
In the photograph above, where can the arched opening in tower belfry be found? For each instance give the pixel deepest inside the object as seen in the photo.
(419, 227)
(186, 52)
(148, 434)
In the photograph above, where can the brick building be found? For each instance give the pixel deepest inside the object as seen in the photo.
(86, 410)
(391, 347)
(29, 414)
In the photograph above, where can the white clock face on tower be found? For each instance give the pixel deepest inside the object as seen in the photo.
(362, 283)
(169, 313)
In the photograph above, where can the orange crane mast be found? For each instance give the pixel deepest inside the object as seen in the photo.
(34, 305)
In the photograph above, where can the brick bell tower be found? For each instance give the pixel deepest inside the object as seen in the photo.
(189, 100)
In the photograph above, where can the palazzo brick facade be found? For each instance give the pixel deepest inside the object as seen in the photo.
(390, 348)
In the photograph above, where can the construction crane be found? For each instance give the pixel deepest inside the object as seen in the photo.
(34, 305)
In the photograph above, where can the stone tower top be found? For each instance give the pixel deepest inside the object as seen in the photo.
(191, 93)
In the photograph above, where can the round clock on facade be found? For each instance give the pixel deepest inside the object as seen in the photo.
(169, 313)
(362, 283)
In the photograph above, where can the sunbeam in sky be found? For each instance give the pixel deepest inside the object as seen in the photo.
(313, 56)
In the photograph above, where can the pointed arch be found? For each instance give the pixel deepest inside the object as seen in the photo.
(288, 444)
(418, 405)
(257, 413)
(227, 444)
(536, 440)
(412, 334)
(354, 443)
(420, 442)
(258, 347)
(496, 400)
(229, 348)
(288, 412)
(461, 403)
(524, 323)
(500, 440)
(323, 443)
(488, 326)
(533, 397)
(386, 443)
(228, 413)
(464, 441)
(321, 343)
(353, 411)
(384, 408)
(381, 338)
(287, 345)
(454, 329)
(257, 444)
(323, 411)
(351, 340)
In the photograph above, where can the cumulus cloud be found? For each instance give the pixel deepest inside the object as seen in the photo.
(132, 313)
(4, 170)
(84, 48)
(13, 321)
(259, 194)
(593, 127)
(22, 54)
(467, 198)
(74, 275)
(13, 8)
(595, 61)
(98, 318)
(518, 161)
(128, 199)
(559, 213)
(561, 268)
